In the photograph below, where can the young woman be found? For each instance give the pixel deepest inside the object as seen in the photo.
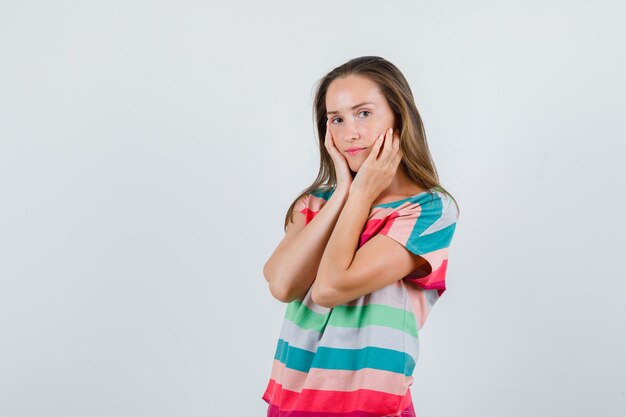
(364, 255)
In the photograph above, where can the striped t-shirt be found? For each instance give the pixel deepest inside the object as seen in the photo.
(357, 359)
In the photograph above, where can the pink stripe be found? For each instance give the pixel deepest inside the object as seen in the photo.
(435, 280)
(421, 307)
(340, 380)
(435, 258)
(335, 401)
(273, 411)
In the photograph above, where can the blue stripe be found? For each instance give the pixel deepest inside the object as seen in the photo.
(431, 213)
(344, 359)
(431, 242)
(323, 193)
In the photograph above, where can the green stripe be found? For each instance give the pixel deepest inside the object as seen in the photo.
(352, 316)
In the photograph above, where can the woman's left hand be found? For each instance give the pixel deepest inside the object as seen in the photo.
(376, 173)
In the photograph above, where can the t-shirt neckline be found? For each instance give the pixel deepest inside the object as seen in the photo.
(392, 203)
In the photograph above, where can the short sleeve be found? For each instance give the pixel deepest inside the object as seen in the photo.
(302, 204)
(426, 228)
(310, 204)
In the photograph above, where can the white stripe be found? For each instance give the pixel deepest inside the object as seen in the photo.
(350, 338)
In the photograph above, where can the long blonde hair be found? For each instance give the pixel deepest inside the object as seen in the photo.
(417, 162)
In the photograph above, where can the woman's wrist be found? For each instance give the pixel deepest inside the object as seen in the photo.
(360, 198)
(341, 193)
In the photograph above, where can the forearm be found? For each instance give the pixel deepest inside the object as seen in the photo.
(292, 268)
(341, 247)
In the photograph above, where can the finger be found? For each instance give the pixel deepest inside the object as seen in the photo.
(388, 142)
(377, 145)
(380, 141)
(396, 141)
(327, 136)
(329, 143)
(399, 153)
(331, 140)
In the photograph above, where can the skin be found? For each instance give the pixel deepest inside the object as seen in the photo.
(360, 127)
(346, 273)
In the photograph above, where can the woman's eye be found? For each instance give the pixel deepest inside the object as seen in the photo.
(339, 118)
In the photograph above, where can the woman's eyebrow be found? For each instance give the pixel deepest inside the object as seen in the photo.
(353, 107)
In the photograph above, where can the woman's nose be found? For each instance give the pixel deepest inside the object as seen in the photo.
(350, 131)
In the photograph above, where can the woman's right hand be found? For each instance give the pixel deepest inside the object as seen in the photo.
(342, 170)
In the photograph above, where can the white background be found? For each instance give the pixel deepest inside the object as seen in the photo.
(149, 151)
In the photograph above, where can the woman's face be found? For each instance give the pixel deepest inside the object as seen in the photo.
(358, 113)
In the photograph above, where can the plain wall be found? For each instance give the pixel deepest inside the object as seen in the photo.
(149, 151)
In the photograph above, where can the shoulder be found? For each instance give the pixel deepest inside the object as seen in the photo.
(311, 203)
(429, 216)
(324, 192)
(435, 203)
(319, 196)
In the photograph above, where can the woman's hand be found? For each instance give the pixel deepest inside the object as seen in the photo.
(342, 170)
(377, 171)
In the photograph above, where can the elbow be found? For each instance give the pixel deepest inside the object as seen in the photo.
(324, 296)
(280, 294)
(278, 291)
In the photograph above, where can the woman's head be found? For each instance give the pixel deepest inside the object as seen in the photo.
(358, 113)
(369, 79)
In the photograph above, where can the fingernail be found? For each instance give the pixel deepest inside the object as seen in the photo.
(390, 130)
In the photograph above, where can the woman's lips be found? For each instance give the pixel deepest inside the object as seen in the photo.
(355, 151)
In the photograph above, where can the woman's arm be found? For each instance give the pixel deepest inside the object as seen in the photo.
(346, 271)
(341, 248)
(292, 267)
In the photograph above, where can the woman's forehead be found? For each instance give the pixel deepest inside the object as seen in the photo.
(348, 93)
